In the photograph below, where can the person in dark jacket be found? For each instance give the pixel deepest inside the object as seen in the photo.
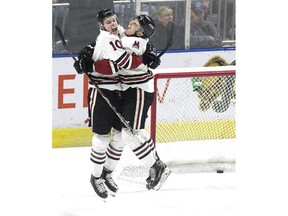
(203, 33)
(164, 15)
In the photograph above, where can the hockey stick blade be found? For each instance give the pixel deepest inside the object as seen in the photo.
(64, 42)
(169, 39)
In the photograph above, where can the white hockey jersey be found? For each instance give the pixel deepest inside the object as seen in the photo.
(109, 47)
(141, 76)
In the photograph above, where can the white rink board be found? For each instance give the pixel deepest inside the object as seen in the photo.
(75, 117)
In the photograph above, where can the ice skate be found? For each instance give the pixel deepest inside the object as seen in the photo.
(164, 176)
(99, 187)
(158, 174)
(109, 182)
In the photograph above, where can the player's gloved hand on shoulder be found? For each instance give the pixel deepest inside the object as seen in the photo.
(87, 51)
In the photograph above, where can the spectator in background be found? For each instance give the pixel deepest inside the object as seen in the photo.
(164, 15)
(203, 33)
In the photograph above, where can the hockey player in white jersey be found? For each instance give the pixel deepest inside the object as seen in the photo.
(102, 117)
(159, 171)
(137, 96)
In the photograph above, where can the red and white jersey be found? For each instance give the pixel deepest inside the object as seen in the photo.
(109, 47)
(141, 76)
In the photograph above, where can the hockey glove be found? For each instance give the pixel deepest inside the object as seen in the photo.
(85, 61)
(150, 58)
(150, 48)
(155, 63)
(83, 65)
(87, 51)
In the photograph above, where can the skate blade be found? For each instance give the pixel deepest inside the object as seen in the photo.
(164, 176)
(102, 199)
(113, 194)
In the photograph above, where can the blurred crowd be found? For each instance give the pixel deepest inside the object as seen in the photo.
(211, 24)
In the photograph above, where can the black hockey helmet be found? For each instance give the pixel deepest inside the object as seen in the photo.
(103, 14)
(147, 24)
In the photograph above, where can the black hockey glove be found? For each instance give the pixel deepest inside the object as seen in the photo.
(150, 48)
(150, 58)
(85, 62)
(155, 63)
(83, 65)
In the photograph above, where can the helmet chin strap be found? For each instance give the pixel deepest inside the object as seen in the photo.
(142, 36)
(133, 35)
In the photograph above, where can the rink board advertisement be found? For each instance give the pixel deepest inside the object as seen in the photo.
(69, 93)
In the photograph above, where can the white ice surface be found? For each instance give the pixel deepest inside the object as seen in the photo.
(196, 194)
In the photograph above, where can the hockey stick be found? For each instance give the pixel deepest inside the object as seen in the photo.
(64, 42)
(122, 119)
(169, 39)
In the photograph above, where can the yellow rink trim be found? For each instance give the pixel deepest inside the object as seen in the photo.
(185, 131)
(166, 132)
(71, 137)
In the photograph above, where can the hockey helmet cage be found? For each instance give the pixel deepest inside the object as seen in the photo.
(103, 14)
(147, 24)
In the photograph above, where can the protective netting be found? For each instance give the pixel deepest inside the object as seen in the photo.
(194, 125)
(195, 108)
